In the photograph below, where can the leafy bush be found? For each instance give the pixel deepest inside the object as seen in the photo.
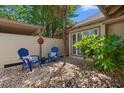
(89, 44)
(108, 51)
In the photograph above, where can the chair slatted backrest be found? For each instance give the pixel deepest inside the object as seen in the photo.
(22, 52)
(54, 49)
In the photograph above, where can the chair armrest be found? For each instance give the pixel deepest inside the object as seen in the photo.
(38, 57)
(34, 55)
(25, 60)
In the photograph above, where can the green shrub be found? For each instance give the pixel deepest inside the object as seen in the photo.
(89, 44)
(108, 51)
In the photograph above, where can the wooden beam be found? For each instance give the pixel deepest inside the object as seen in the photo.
(118, 13)
(113, 20)
(37, 31)
(114, 8)
(108, 7)
(16, 24)
(103, 10)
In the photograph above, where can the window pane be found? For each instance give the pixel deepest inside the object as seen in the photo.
(73, 49)
(73, 38)
(79, 36)
(86, 33)
(94, 31)
(79, 52)
(73, 41)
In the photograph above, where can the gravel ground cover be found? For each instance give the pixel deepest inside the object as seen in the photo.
(73, 75)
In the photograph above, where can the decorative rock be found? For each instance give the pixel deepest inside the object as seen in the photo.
(27, 83)
(39, 84)
(55, 76)
(95, 79)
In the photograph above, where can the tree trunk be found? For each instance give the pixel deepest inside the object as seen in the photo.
(64, 34)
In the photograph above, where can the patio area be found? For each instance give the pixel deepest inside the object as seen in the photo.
(57, 40)
(74, 75)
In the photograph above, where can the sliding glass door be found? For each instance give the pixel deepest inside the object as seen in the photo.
(75, 38)
(78, 36)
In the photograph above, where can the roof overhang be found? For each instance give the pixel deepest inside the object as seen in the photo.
(86, 24)
(14, 27)
(114, 20)
(103, 10)
(112, 11)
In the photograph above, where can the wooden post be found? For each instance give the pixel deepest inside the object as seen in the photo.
(40, 45)
(64, 33)
(40, 50)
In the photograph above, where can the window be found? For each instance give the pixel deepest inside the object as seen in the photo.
(74, 50)
(73, 41)
(74, 38)
(94, 31)
(86, 33)
(79, 51)
(78, 36)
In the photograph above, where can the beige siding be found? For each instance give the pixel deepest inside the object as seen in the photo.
(103, 30)
(49, 43)
(10, 43)
(116, 28)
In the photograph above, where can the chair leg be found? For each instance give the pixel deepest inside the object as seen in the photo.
(58, 59)
(30, 66)
(40, 63)
(23, 65)
(49, 60)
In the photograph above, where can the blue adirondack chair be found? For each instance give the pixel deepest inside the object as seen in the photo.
(22, 52)
(56, 50)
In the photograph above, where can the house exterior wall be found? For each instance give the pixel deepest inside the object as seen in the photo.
(100, 25)
(116, 28)
(107, 27)
(10, 43)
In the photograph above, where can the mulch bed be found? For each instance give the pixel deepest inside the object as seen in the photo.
(53, 75)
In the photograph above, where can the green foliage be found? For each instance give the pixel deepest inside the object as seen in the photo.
(89, 44)
(43, 15)
(108, 51)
